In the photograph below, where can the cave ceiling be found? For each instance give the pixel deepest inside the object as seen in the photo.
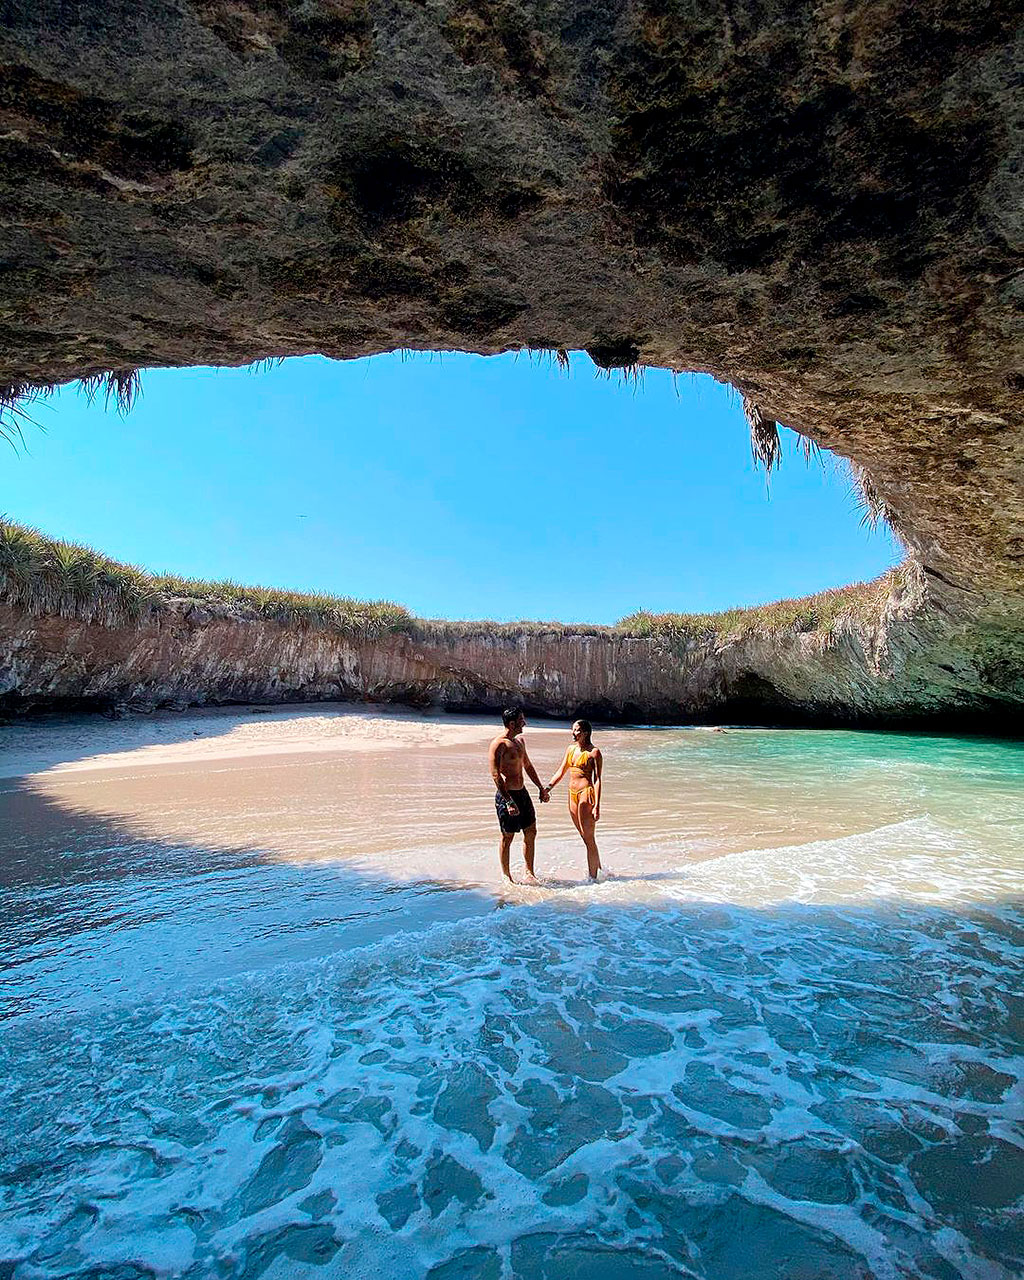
(818, 202)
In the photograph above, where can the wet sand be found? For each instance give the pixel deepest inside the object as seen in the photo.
(224, 733)
(406, 796)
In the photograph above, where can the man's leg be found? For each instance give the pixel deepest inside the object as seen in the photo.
(529, 841)
(504, 849)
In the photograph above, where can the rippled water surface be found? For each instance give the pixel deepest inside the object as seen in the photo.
(279, 1018)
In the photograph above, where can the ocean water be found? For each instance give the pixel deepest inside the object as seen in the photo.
(281, 1019)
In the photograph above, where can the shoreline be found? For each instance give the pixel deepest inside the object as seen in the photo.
(82, 743)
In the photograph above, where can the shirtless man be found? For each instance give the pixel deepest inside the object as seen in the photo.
(508, 759)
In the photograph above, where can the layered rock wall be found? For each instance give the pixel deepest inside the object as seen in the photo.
(889, 669)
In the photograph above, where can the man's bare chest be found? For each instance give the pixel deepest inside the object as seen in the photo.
(511, 758)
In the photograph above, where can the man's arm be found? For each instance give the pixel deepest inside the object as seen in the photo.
(497, 747)
(532, 772)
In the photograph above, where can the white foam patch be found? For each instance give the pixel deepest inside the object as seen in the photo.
(919, 860)
(543, 1093)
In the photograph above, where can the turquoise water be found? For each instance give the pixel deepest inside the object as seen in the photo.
(784, 1040)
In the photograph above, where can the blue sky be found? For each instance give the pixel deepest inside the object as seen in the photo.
(461, 486)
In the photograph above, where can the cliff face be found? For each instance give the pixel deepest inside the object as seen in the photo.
(891, 669)
(819, 202)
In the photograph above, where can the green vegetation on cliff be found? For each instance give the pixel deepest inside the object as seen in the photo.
(48, 576)
(818, 613)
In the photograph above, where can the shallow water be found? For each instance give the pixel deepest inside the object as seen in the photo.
(282, 1019)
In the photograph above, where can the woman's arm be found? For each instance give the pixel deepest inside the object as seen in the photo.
(598, 764)
(561, 773)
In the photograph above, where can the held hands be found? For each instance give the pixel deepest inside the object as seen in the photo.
(545, 794)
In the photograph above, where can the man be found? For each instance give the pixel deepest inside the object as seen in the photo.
(508, 759)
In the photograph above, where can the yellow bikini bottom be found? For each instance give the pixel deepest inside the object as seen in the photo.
(583, 793)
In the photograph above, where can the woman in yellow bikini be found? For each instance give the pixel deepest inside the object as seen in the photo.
(583, 761)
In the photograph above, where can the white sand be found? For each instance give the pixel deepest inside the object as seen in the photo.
(76, 743)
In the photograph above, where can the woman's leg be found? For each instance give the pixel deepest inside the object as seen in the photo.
(583, 817)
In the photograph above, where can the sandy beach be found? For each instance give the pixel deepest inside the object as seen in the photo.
(404, 797)
(391, 792)
(232, 733)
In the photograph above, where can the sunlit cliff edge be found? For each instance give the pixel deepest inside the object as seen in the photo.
(79, 631)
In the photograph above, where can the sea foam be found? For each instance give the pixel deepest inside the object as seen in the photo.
(799, 1060)
(647, 1091)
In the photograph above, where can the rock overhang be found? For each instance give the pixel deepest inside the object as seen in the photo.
(818, 203)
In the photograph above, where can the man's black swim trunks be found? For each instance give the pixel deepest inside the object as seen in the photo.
(526, 816)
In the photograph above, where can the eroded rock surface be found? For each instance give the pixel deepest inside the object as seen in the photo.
(819, 202)
(901, 666)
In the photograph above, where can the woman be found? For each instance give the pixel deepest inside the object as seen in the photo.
(583, 761)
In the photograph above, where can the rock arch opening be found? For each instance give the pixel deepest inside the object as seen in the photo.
(367, 477)
(91, 632)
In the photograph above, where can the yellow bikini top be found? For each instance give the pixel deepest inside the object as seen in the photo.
(581, 761)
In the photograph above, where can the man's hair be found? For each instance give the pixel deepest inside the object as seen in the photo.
(510, 715)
